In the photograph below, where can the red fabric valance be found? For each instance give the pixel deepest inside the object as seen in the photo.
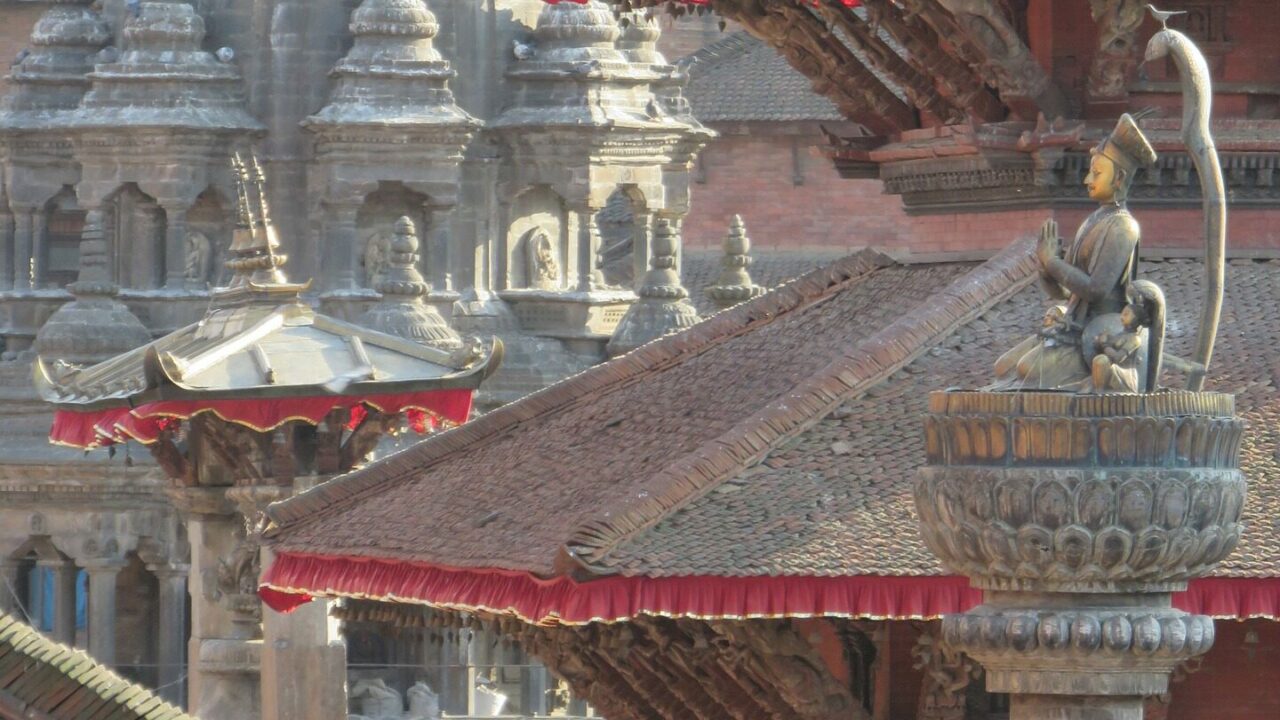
(293, 579)
(145, 422)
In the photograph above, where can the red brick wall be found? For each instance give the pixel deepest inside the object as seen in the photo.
(16, 21)
(753, 175)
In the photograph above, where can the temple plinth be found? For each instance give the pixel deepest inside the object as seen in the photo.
(1079, 515)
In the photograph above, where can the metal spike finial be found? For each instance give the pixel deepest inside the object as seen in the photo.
(1162, 16)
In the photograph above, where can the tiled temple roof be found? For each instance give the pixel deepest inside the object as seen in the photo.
(740, 78)
(40, 678)
(509, 489)
(780, 437)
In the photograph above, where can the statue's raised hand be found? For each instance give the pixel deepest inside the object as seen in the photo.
(1049, 246)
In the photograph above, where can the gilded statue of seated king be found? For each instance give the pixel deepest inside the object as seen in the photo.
(1089, 343)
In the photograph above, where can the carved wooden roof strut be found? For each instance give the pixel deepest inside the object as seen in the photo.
(931, 56)
(919, 87)
(813, 49)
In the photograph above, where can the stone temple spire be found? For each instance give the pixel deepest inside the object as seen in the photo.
(638, 42)
(95, 325)
(664, 306)
(402, 311)
(734, 284)
(393, 72)
(53, 76)
(164, 77)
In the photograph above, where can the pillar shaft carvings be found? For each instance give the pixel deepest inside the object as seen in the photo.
(102, 612)
(1080, 515)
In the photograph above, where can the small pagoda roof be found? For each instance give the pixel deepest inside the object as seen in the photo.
(40, 678)
(262, 349)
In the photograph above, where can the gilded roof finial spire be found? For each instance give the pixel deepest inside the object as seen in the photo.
(254, 259)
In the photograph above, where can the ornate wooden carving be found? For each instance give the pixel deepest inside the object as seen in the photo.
(926, 51)
(1118, 22)
(663, 669)
(365, 437)
(836, 73)
(1002, 56)
(947, 675)
(172, 460)
(918, 86)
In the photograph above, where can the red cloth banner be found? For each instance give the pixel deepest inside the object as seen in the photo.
(145, 422)
(293, 579)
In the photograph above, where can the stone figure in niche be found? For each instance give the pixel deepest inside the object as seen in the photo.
(199, 259)
(543, 262)
(424, 703)
(1093, 276)
(377, 700)
(377, 253)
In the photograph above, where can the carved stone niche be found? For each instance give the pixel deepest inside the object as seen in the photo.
(1080, 515)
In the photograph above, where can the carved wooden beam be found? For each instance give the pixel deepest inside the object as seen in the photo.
(919, 87)
(928, 53)
(811, 47)
(362, 441)
(780, 657)
(1023, 84)
(1118, 22)
(172, 460)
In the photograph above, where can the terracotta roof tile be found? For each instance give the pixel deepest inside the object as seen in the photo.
(47, 679)
(508, 489)
(837, 499)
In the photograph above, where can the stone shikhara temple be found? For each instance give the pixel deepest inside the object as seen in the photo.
(435, 172)
(716, 525)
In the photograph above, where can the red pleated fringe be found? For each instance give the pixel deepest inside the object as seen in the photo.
(145, 422)
(293, 579)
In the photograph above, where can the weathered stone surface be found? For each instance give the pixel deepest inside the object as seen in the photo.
(664, 305)
(401, 311)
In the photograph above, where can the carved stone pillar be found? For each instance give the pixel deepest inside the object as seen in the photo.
(173, 629)
(64, 600)
(587, 251)
(39, 249)
(6, 248)
(23, 224)
(1080, 515)
(175, 245)
(342, 245)
(9, 601)
(438, 251)
(641, 246)
(102, 610)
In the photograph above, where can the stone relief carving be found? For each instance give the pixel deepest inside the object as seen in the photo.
(377, 255)
(544, 263)
(199, 262)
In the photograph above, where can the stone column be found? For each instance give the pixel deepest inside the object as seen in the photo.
(102, 611)
(1079, 516)
(173, 629)
(39, 249)
(9, 568)
(641, 246)
(175, 244)
(342, 245)
(64, 600)
(439, 251)
(6, 248)
(23, 222)
(588, 250)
